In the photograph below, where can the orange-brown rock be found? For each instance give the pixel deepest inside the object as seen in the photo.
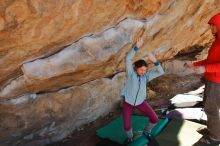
(58, 57)
(31, 29)
(100, 34)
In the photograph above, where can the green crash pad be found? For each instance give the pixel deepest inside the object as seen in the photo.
(114, 130)
(180, 133)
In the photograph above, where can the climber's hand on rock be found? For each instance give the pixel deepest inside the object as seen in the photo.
(151, 57)
(199, 69)
(139, 42)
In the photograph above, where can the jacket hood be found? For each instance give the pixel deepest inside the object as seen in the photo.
(215, 20)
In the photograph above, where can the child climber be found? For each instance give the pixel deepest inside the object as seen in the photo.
(134, 92)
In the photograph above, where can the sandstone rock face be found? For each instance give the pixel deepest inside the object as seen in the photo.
(40, 119)
(99, 34)
(57, 57)
(32, 29)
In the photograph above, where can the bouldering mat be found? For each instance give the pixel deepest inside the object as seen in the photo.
(114, 130)
(180, 133)
(188, 113)
(185, 100)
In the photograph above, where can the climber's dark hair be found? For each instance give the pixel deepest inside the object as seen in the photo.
(140, 63)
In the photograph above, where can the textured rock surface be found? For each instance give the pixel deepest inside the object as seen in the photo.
(101, 32)
(40, 119)
(55, 56)
(32, 29)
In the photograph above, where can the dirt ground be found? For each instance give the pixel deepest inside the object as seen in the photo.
(164, 89)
